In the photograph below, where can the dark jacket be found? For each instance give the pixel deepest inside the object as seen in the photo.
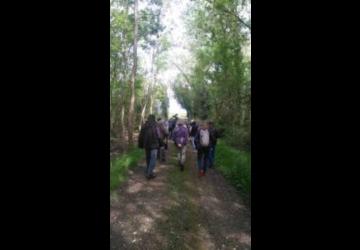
(149, 136)
(214, 135)
(172, 123)
(194, 129)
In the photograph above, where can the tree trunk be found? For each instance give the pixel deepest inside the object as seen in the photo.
(142, 118)
(133, 79)
(122, 121)
(113, 102)
(151, 104)
(154, 76)
(111, 115)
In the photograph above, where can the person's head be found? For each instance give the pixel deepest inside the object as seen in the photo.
(151, 118)
(203, 125)
(211, 124)
(159, 119)
(180, 122)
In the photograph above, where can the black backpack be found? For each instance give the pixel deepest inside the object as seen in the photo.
(151, 140)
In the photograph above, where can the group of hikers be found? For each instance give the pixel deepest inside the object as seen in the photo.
(155, 135)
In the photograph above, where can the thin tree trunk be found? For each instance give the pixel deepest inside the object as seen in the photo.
(152, 83)
(123, 96)
(122, 121)
(111, 115)
(133, 79)
(151, 104)
(145, 106)
(154, 75)
(142, 118)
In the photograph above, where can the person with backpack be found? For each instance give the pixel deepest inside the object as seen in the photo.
(203, 144)
(163, 134)
(180, 137)
(149, 140)
(193, 131)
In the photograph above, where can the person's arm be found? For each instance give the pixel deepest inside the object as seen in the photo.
(216, 134)
(212, 136)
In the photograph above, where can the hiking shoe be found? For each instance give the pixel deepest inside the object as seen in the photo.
(152, 176)
(201, 173)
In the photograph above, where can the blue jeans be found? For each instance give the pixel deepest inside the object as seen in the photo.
(151, 155)
(212, 156)
(192, 142)
(203, 158)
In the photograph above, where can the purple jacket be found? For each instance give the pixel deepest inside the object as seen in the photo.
(180, 135)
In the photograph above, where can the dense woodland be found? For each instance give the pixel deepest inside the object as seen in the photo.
(135, 92)
(214, 84)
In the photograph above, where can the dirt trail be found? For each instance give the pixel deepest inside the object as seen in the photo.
(178, 210)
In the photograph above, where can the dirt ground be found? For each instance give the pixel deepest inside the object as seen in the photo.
(178, 210)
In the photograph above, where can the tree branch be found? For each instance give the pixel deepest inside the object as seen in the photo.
(183, 73)
(238, 18)
(233, 14)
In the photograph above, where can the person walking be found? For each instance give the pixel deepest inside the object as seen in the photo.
(180, 137)
(193, 131)
(202, 143)
(149, 140)
(163, 134)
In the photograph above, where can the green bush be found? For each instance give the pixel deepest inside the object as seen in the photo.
(120, 165)
(235, 165)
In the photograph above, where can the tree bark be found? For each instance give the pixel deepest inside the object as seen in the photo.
(133, 79)
(142, 118)
(151, 104)
(122, 121)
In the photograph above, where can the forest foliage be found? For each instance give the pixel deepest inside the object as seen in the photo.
(217, 85)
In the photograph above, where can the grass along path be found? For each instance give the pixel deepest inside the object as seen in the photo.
(120, 165)
(178, 210)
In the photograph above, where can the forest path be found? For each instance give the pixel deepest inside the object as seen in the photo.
(178, 210)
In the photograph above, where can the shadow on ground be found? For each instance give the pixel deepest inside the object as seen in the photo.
(178, 210)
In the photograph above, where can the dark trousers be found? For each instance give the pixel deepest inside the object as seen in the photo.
(162, 151)
(151, 155)
(203, 158)
(212, 156)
